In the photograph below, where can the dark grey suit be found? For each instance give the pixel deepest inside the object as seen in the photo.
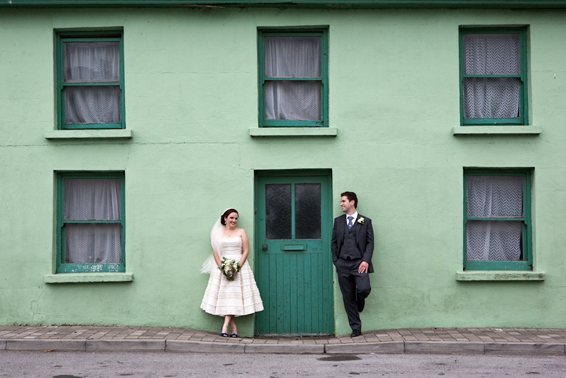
(349, 248)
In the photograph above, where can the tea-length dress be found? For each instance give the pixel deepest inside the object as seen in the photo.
(238, 297)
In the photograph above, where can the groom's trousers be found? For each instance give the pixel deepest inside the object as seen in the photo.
(354, 286)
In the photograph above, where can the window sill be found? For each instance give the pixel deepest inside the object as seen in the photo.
(88, 134)
(293, 132)
(500, 275)
(496, 130)
(87, 277)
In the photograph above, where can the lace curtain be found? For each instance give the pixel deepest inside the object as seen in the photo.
(492, 54)
(292, 57)
(92, 62)
(88, 200)
(494, 197)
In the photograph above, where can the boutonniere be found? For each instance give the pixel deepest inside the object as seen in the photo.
(361, 220)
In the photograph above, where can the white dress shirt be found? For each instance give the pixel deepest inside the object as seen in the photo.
(355, 216)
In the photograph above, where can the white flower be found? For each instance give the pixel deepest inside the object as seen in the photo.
(361, 220)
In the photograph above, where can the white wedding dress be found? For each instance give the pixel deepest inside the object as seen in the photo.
(239, 297)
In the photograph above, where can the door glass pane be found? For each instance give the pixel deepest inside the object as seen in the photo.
(307, 211)
(278, 211)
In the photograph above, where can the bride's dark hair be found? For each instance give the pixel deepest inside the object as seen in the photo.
(225, 215)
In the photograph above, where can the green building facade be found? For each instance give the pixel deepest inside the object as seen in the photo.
(128, 129)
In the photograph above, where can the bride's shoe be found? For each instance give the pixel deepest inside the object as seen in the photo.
(234, 335)
(223, 334)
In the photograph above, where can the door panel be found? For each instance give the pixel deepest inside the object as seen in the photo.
(294, 265)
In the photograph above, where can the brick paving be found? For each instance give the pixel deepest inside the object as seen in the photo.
(462, 335)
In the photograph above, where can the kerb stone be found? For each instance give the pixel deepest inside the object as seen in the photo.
(443, 347)
(284, 349)
(2, 344)
(46, 344)
(394, 347)
(550, 349)
(125, 345)
(202, 347)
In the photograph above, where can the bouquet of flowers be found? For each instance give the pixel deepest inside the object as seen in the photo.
(229, 268)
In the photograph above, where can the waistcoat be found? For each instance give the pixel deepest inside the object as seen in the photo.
(350, 248)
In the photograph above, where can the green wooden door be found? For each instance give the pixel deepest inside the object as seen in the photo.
(293, 258)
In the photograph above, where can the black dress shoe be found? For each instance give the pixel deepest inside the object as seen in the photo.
(361, 304)
(356, 333)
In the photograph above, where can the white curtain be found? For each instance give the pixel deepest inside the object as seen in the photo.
(87, 62)
(493, 197)
(92, 62)
(87, 200)
(89, 105)
(293, 57)
(492, 54)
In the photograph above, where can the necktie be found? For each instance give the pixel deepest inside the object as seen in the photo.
(350, 224)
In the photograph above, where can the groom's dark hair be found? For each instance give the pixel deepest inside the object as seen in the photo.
(351, 197)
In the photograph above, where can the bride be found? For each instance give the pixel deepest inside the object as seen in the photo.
(223, 297)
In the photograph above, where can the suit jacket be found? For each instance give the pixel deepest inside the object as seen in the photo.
(364, 238)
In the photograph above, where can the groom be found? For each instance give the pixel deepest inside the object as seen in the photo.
(352, 249)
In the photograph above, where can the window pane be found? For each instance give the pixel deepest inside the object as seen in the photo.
(93, 243)
(494, 241)
(491, 97)
(92, 199)
(492, 54)
(93, 104)
(278, 211)
(292, 57)
(494, 196)
(307, 211)
(92, 62)
(293, 100)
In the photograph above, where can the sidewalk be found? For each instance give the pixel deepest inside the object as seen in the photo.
(506, 341)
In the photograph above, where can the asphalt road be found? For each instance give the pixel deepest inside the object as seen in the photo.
(153, 365)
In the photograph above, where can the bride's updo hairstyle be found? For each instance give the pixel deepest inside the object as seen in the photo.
(226, 214)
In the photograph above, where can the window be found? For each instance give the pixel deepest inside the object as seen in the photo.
(493, 77)
(497, 220)
(90, 222)
(90, 80)
(293, 79)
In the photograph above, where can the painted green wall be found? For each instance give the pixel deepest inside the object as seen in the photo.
(191, 96)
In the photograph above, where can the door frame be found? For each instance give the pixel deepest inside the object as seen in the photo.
(324, 174)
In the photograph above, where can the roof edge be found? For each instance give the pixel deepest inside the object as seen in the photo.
(326, 4)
